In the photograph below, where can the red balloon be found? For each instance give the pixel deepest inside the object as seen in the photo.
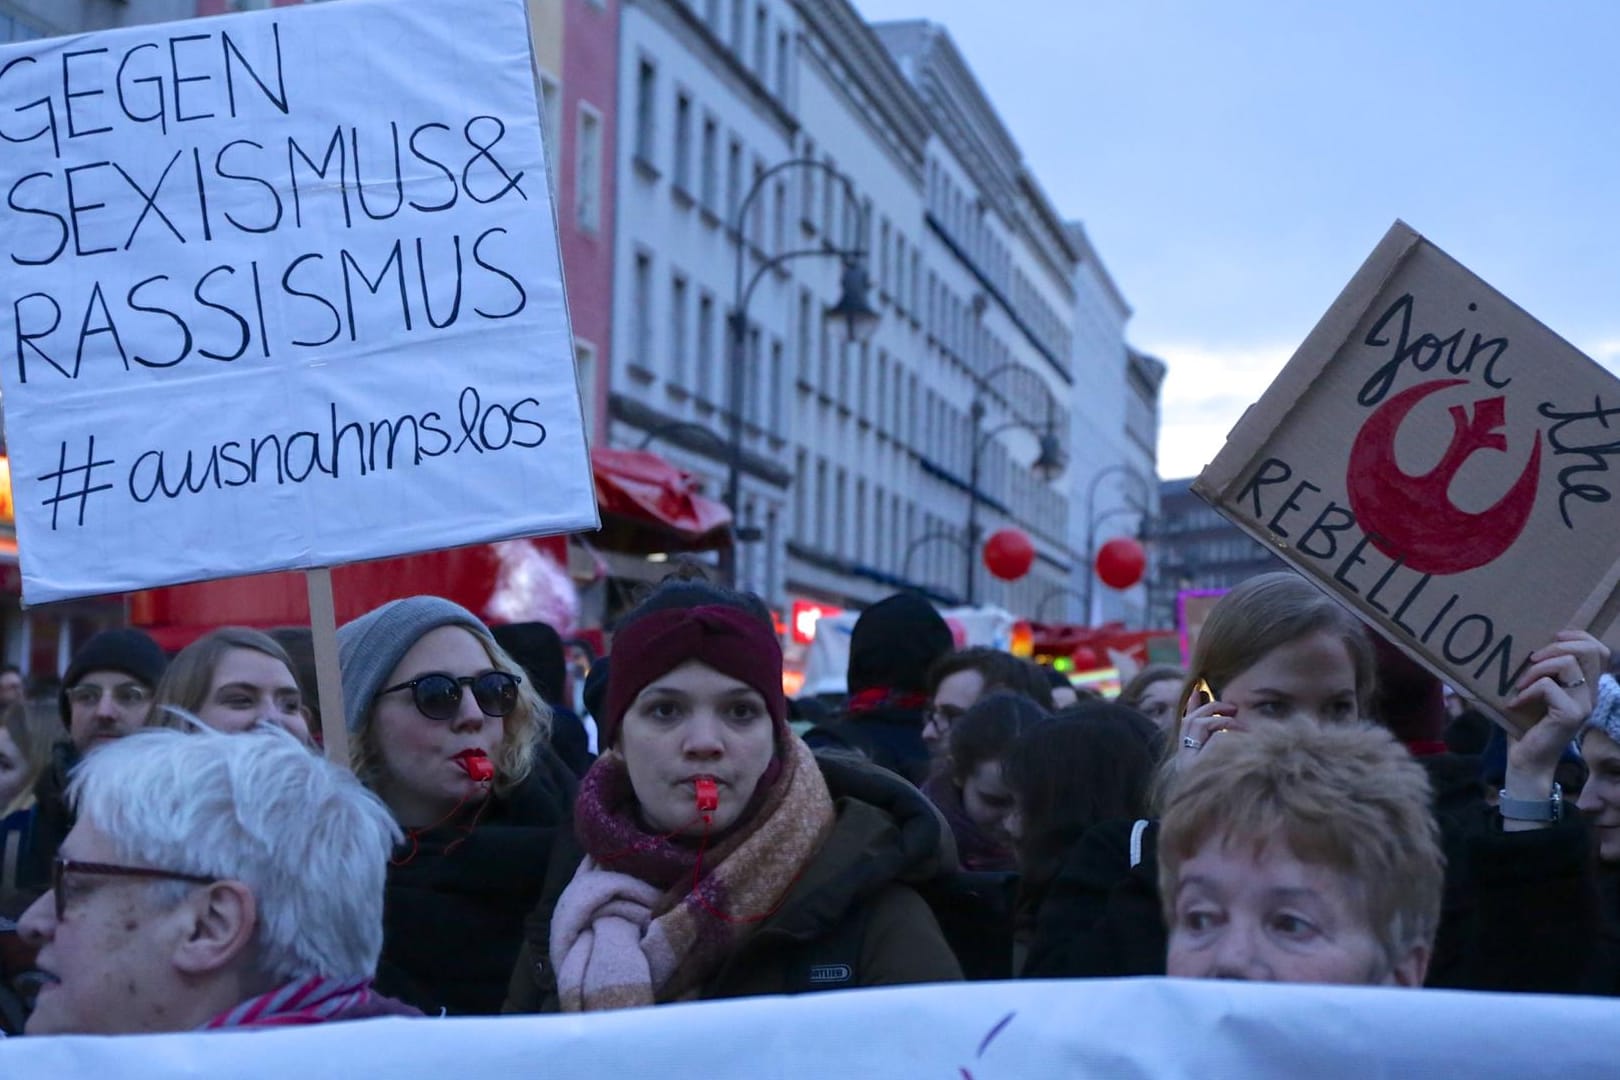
(1085, 658)
(1121, 563)
(1009, 554)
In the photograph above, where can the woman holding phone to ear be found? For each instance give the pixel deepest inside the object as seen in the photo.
(443, 728)
(714, 855)
(1274, 650)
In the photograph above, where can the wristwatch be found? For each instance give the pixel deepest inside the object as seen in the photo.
(1550, 809)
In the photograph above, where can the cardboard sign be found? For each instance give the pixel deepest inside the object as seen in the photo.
(1439, 461)
(281, 290)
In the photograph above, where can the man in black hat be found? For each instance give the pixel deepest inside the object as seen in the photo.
(106, 694)
(894, 644)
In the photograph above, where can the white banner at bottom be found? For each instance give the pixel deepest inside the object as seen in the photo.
(974, 1031)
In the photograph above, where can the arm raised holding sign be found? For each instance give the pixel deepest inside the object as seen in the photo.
(1539, 921)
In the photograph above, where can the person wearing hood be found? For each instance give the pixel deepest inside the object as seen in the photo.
(893, 647)
(107, 693)
(444, 729)
(714, 855)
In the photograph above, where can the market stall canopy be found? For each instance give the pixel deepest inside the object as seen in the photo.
(649, 505)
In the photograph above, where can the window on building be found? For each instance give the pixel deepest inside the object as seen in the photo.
(585, 374)
(756, 209)
(739, 18)
(734, 174)
(588, 169)
(646, 110)
(840, 511)
(641, 300)
(783, 68)
(824, 513)
(807, 185)
(860, 521)
(825, 382)
(801, 501)
(678, 362)
(829, 204)
(883, 257)
(710, 180)
(879, 536)
(773, 391)
(683, 142)
(805, 329)
(704, 358)
(779, 217)
(762, 42)
(550, 123)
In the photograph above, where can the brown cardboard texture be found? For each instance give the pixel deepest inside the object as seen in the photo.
(1440, 462)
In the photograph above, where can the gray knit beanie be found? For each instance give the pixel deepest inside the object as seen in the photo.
(370, 647)
(1606, 710)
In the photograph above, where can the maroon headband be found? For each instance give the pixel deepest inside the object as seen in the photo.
(730, 640)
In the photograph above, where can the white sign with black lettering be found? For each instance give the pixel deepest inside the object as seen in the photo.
(281, 290)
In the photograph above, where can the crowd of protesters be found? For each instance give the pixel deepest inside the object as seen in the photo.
(1301, 803)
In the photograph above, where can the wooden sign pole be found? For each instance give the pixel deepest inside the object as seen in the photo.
(328, 679)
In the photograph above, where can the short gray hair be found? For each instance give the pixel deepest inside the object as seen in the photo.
(256, 807)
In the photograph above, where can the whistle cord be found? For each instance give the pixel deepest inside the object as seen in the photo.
(414, 835)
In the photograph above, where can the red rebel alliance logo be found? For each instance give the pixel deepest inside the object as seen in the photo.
(1412, 518)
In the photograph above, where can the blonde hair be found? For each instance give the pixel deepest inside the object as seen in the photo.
(1264, 613)
(190, 675)
(521, 730)
(35, 726)
(1348, 797)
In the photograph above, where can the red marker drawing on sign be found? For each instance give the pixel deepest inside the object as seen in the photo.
(1412, 518)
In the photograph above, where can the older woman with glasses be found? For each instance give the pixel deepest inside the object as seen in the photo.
(444, 729)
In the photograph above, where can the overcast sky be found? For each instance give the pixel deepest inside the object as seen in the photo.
(1234, 162)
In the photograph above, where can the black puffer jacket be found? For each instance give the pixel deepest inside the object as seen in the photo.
(852, 906)
(454, 909)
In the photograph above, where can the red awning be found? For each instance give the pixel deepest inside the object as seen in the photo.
(179, 614)
(650, 505)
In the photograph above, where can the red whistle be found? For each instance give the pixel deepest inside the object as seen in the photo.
(708, 795)
(476, 764)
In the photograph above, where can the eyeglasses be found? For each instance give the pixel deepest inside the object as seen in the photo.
(438, 696)
(125, 695)
(61, 868)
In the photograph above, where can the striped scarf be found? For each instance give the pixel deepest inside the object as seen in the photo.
(305, 1001)
(642, 932)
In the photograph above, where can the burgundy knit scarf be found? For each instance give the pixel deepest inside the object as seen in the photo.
(646, 917)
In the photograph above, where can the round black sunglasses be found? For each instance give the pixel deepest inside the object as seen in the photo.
(438, 696)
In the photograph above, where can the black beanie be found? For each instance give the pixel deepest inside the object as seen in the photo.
(894, 643)
(539, 650)
(129, 651)
(595, 693)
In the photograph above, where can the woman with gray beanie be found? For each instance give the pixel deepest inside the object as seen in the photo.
(446, 732)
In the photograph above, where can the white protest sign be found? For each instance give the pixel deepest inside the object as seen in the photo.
(966, 1031)
(281, 290)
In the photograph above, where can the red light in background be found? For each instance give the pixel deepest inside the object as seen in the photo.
(805, 617)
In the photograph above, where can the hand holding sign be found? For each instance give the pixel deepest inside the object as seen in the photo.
(1465, 543)
(276, 302)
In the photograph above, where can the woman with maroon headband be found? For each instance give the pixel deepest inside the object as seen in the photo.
(715, 855)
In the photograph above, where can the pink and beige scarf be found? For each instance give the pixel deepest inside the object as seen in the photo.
(648, 918)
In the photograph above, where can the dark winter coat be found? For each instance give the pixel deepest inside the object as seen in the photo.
(890, 736)
(454, 908)
(851, 919)
(1545, 916)
(53, 819)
